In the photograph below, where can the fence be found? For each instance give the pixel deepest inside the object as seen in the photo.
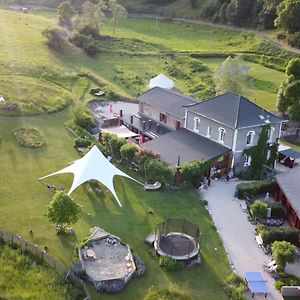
(42, 253)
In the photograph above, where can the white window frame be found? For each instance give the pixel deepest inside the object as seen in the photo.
(247, 161)
(222, 133)
(251, 134)
(271, 134)
(196, 124)
(208, 134)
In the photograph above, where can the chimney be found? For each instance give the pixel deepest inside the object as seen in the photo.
(144, 125)
(157, 128)
(121, 113)
(131, 119)
(150, 123)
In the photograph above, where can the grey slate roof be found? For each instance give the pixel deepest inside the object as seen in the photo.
(189, 145)
(234, 111)
(289, 184)
(167, 101)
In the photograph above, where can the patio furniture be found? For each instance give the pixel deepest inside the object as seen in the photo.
(154, 186)
(244, 206)
(269, 263)
(259, 241)
(272, 269)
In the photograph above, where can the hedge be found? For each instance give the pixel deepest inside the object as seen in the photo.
(255, 188)
(270, 235)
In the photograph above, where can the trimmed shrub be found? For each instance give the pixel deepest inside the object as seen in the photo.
(255, 188)
(277, 210)
(169, 264)
(270, 235)
(81, 142)
(83, 117)
(158, 171)
(128, 152)
(113, 144)
(259, 209)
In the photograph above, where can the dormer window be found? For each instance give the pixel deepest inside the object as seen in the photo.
(270, 134)
(250, 138)
(196, 124)
(221, 138)
(208, 131)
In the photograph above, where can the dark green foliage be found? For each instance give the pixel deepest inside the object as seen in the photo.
(235, 287)
(288, 97)
(283, 252)
(63, 210)
(277, 210)
(255, 188)
(158, 171)
(128, 152)
(197, 66)
(193, 172)
(83, 117)
(259, 153)
(143, 157)
(82, 142)
(259, 209)
(88, 44)
(288, 13)
(89, 31)
(294, 39)
(169, 264)
(113, 144)
(286, 280)
(170, 293)
(55, 39)
(270, 235)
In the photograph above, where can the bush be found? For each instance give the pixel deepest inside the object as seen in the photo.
(89, 31)
(169, 264)
(158, 171)
(235, 287)
(283, 252)
(277, 211)
(88, 44)
(55, 40)
(259, 209)
(270, 235)
(113, 144)
(94, 91)
(83, 117)
(193, 172)
(29, 137)
(294, 39)
(286, 280)
(255, 188)
(81, 142)
(128, 152)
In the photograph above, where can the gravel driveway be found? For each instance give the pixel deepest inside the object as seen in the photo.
(237, 233)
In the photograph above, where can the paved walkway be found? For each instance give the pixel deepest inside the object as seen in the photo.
(237, 233)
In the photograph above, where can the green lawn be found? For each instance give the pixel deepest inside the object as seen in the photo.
(24, 200)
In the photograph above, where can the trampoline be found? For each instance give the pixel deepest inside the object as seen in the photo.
(178, 239)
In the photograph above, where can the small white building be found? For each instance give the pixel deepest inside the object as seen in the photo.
(161, 81)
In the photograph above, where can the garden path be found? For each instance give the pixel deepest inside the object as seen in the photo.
(237, 233)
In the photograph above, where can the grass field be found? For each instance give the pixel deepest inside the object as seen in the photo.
(136, 53)
(24, 200)
(22, 277)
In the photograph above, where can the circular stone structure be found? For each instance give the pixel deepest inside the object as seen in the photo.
(179, 245)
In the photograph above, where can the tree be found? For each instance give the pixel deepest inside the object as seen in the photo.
(128, 152)
(288, 13)
(288, 97)
(229, 77)
(92, 14)
(118, 12)
(283, 252)
(193, 172)
(259, 209)
(63, 210)
(268, 13)
(113, 143)
(65, 14)
(263, 153)
(158, 171)
(55, 39)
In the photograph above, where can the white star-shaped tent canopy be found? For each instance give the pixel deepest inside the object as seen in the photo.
(93, 166)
